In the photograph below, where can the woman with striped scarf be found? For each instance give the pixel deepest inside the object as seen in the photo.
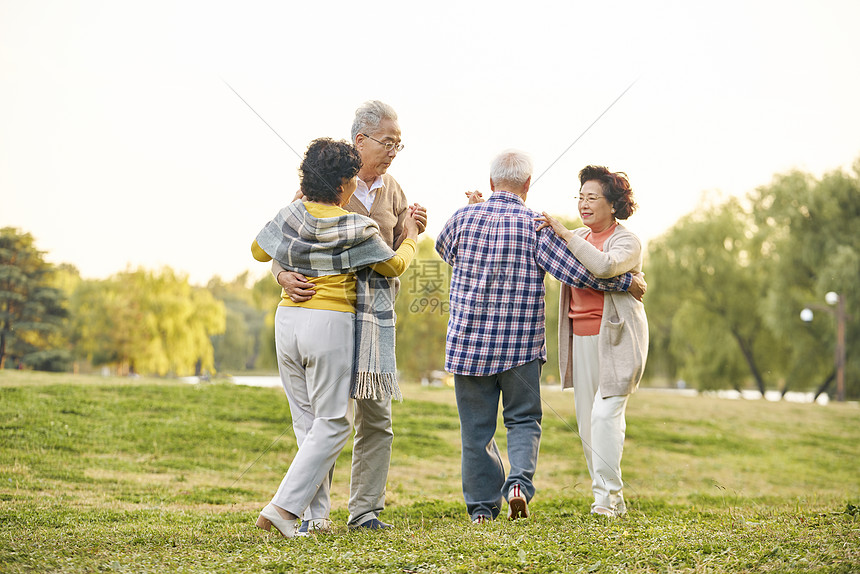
(341, 341)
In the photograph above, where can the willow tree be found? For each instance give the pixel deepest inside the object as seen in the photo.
(708, 279)
(238, 347)
(147, 322)
(810, 231)
(106, 315)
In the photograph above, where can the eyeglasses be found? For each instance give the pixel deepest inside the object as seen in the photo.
(588, 199)
(387, 145)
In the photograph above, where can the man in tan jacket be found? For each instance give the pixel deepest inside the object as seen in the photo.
(376, 135)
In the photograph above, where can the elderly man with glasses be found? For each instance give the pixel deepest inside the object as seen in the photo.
(376, 135)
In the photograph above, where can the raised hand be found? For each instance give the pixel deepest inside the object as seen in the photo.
(411, 225)
(474, 197)
(549, 221)
(419, 212)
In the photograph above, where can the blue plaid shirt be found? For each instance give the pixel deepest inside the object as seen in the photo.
(497, 293)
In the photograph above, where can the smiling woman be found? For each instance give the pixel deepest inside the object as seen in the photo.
(603, 336)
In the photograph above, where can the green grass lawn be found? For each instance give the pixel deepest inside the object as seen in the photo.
(142, 475)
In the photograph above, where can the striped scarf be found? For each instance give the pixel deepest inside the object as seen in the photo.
(342, 245)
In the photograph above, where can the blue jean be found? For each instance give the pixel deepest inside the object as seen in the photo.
(484, 482)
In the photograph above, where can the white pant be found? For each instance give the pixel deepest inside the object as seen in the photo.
(601, 426)
(315, 350)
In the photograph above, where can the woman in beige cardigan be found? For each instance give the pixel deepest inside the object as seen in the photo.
(603, 336)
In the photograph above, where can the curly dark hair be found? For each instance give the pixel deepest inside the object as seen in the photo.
(616, 188)
(325, 165)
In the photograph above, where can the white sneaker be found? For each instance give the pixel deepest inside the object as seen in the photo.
(518, 507)
(315, 526)
(603, 511)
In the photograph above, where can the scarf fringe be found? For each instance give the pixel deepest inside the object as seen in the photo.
(375, 386)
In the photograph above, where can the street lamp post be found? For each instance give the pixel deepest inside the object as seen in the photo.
(833, 299)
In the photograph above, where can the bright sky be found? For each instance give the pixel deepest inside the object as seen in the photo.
(121, 145)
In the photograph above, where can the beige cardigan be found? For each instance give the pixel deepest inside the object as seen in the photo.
(389, 210)
(623, 338)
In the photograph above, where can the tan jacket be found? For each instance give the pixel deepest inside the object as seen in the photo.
(623, 338)
(389, 210)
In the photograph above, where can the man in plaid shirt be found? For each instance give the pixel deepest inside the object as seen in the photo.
(495, 342)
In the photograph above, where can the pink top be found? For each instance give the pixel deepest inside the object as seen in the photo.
(586, 305)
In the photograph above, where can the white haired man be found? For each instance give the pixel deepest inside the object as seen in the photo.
(495, 343)
(376, 135)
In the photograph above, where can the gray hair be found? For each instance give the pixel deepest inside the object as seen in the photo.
(511, 167)
(369, 115)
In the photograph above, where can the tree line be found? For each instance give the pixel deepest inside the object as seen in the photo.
(726, 286)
